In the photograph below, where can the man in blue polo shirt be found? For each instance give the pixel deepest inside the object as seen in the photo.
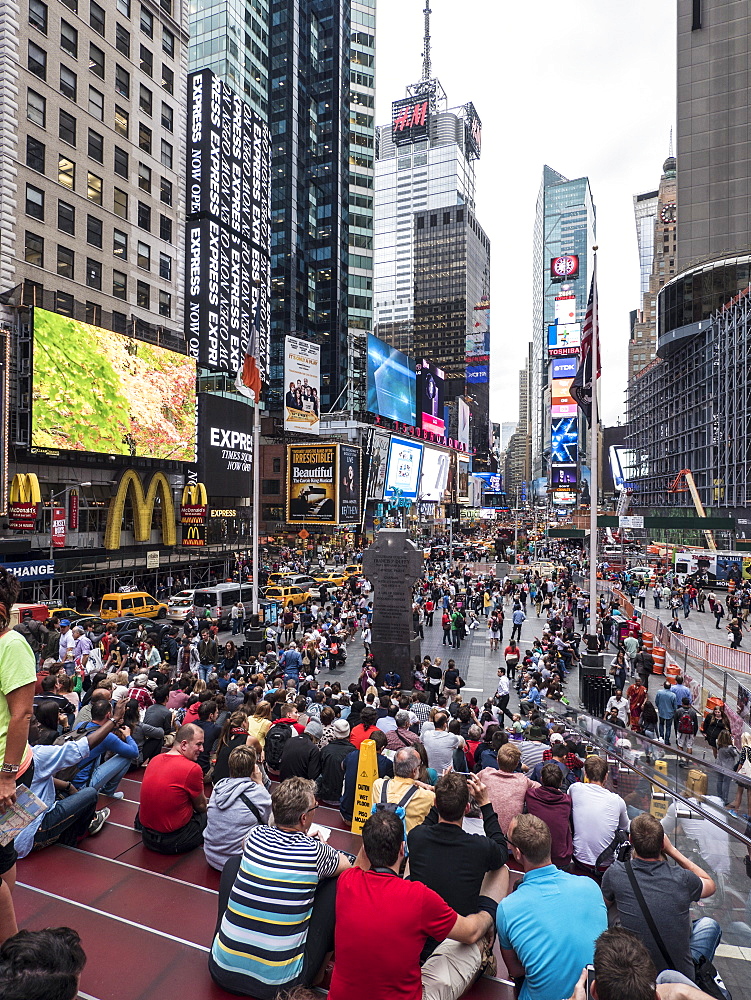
(548, 927)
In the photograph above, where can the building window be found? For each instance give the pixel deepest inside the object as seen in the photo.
(96, 146)
(122, 121)
(168, 117)
(165, 191)
(165, 228)
(271, 487)
(67, 128)
(38, 15)
(143, 295)
(96, 17)
(165, 304)
(34, 249)
(93, 273)
(119, 322)
(144, 256)
(94, 188)
(147, 22)
(168, 79)
(276, 465)
(37, 61)
(35, 202)
(119, 285)
(122, 40)
(122, 81)
(145, 100)
(120, 244)
(96, 104)
(123, 7)
(166, 5)
(71, 5)
(36, 108)
(121, 203)
(68, 83)
(165, 266)
(144, 216)
(66, 218)
(121, 162)
(144, 137)
(144, 177)
(66, 172)
(147, 61)
(96, 61)
(168, 42)
(69, 39)
(65, 262)
(93, 314)
(94, 231)
(64, 303)
(167, 154)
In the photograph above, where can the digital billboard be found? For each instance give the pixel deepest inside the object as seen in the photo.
(379, 457)
(462, 413)
(430, 393)
(392, 382)
(475, 374)
(302, 385)
(565, 267)
(477, 345)
(403, 473)
(410, 120)
(563, 367)
(564, 438)
(563, 476)
(434, 475)
(565, 309)
(562, 403)
(225, 445)
(311, 484)
(564, 338)
(621, 461)
(98, 391)
(349, 484)
(462, 478)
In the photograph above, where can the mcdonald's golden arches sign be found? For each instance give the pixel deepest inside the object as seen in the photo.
(25, 497)
(143, 509)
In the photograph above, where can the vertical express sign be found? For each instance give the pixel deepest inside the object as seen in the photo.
(228, 231)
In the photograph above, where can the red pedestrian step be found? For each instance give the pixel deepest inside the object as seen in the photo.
(191, 867)
(110, 843)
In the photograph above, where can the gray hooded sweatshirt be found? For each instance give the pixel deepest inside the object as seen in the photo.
(229, 818)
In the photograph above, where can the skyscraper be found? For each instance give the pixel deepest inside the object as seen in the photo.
(564, 234)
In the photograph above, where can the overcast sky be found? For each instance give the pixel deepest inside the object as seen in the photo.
(586, 86)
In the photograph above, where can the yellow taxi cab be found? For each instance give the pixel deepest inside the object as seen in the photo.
(288, 596)
(354, 569)
(276, 579)
(136, 604)
(331, 579)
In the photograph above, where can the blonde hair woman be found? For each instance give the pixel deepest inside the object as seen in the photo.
(260, 722)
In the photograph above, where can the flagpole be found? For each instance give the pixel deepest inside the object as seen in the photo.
(593, 458)
(256, 500)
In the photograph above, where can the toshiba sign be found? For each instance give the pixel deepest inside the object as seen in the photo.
(225, 445)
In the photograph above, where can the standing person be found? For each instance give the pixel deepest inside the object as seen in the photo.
(435, 679)
(517, 620)
(17, 681)
(502, 694)
(208, 654)
(734, 633)
(714, 725)
(446, 626)
(237, 615)
(511, 656)
(666, 705)
(686, 728)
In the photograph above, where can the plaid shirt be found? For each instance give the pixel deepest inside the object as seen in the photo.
(142, 696)
(422, 710)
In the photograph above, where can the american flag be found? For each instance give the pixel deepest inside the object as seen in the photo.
(248, 380)
(581, 387)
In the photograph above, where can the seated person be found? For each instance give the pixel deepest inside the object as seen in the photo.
(45, 963)
(551, 804)
(406, 788)
(106, 775)
(285, 939)
(237, 803)
(415, 913)
(172, 813)
(74, 816)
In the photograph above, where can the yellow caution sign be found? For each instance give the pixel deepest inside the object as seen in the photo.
(367, 772)
(660, 800)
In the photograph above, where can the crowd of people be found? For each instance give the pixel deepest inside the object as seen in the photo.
(481, 816)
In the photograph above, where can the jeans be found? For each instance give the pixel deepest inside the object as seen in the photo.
(705, 937)
(665, 727)
(455, 640)
(107, 775)
(516, 632)
(204, 669)
(68, 819)
(447, 637)
(237, 624)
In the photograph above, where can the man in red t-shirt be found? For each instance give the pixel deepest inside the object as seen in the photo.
(172, 814)
(392, 969)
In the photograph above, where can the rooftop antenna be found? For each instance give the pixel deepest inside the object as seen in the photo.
(427, 71)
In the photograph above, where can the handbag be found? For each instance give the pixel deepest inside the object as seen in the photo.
(706, 975)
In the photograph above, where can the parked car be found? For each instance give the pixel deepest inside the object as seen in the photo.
(288, 596)
(180, 605)
(137, 603)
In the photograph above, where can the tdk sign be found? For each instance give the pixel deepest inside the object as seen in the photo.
(563, 367)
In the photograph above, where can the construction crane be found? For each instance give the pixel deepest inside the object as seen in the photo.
(690, 487)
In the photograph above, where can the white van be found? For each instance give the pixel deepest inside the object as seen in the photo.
(220, 600)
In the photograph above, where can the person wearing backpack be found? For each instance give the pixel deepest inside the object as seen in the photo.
(686, 727)
(404, 789)
(278, 735)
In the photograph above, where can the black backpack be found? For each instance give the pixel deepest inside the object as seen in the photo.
(276, 739)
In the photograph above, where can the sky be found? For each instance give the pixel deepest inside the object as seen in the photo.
(587, 87)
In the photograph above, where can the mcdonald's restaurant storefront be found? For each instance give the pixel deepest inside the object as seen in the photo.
(73, 536)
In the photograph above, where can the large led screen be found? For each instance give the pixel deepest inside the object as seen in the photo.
(95, 390)
(564, 438)
(430, 383)
(391, 382)
(403, 474)
(564, 339)
(435, 474)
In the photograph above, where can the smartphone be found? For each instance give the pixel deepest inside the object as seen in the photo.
(590, 980)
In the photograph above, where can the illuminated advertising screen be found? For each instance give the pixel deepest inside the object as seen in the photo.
(311, 484)
(475, 374)
(565, 267)
(564, 438)
(462, 478)
(621, 460)
(430, 393)
(563, 339)
(563, 476)
(379, 457)
(403, 473)
(410, 120)
(562, 403)
(349, 484)
(225, 445)
(563, 367)
(122, 397)
(462, 433)
(565, 309)
(434, 475)
(392, 382)
(302, 385)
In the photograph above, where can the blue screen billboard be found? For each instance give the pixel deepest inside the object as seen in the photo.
(475, 374)
(392, 382)
(564, 438)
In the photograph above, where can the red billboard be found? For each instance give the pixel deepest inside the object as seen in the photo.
(57, 531)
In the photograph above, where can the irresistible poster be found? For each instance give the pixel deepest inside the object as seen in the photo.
(302, 385)
(349, 484)
(311, 484)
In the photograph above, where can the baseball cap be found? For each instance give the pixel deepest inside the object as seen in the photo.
(556, 738)
(64, 622)
(340, 728)
(141, 680)
(314, 728)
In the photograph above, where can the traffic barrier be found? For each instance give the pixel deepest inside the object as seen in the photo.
(648, 641)
(713, 703)
(658, 655)
(672, 672)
